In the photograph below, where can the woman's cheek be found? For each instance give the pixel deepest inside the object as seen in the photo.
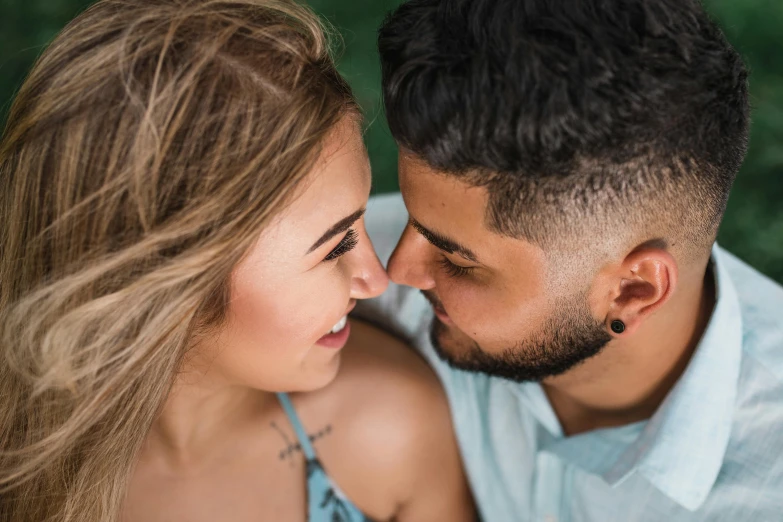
(274, 324)
(306, 309)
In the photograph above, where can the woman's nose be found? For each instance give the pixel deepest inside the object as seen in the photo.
(369, 279)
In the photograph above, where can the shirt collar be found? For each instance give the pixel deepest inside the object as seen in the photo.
(680, 449)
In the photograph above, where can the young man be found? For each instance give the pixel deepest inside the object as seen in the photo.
(565, 166)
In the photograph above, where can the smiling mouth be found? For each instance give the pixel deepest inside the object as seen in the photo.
(337, 336)
(339, 326)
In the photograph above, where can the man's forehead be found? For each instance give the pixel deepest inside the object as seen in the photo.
(444, 207)
(444, 204)
(431, 189)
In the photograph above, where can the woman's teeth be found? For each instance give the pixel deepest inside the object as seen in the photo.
(340, 325)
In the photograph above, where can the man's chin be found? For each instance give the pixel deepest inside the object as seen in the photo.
(451, 344)
(534, 362)
(462, 353)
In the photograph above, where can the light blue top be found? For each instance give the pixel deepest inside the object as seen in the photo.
(712, 452)
(325, 502)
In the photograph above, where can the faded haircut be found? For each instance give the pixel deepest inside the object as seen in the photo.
(573, 114)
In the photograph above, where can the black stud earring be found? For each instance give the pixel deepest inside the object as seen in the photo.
(618, 326)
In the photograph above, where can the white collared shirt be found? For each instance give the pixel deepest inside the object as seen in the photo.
(713, 451)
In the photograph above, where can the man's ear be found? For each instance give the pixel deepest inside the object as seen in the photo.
(636, 287)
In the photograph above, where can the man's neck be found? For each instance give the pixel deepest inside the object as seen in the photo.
(630, 378)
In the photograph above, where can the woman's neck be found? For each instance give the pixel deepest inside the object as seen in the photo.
(201, 417)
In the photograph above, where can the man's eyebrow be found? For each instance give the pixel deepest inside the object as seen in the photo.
(444, 243)
(341, 226)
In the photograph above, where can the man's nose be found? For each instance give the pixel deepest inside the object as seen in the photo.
(410, 264)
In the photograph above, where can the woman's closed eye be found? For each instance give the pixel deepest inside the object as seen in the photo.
(348, 243)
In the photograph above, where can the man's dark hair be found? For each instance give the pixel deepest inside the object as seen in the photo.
(572, 111)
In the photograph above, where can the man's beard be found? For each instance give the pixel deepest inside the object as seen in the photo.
(569, 337)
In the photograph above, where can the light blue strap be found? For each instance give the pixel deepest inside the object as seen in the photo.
(301, 434)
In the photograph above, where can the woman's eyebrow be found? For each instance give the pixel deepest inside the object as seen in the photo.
(341, 226)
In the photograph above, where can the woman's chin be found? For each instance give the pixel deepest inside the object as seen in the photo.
(320, 377)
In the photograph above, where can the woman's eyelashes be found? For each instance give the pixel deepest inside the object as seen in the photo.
(453, 270)
(347, 244)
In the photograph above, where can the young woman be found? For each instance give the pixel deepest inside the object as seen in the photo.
(181, 194)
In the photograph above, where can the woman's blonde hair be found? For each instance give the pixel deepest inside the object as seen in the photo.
(149, 146)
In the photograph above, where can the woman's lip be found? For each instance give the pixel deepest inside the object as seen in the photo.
(336, 340)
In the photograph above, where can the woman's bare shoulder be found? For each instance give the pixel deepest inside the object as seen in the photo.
(386, 386)
(373, 354)
(393, 447)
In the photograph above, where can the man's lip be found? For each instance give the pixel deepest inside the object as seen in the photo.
(351, 307)
(437, 307)
(442, 315)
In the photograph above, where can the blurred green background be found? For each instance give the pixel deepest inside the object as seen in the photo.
(753, 226)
